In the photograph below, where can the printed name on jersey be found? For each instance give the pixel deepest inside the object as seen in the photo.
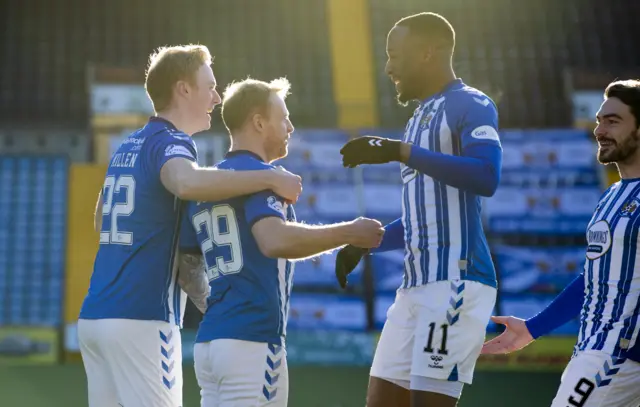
(276, 205)
(485, 133)
(630, 207)
(124, 160)
(175, 149)
(598, 240)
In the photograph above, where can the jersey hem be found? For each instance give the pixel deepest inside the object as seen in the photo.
(492, 284)
(92, 318)
(249, 338)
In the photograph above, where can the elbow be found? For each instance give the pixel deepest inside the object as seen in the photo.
(490, 185)
(184, 192)
(180, 179)
(489, 189)
(185, 189)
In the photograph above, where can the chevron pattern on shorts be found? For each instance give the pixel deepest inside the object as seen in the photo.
(167, 363)
(603, 378)
(271, 373)
(456, 301)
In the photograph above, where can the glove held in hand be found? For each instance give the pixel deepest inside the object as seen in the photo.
(347, 259)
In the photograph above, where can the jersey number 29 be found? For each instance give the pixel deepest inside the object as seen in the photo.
(114, 185)
(216, 238)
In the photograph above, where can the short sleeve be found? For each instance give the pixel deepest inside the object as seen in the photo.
(263, 205)
(173, 145)
(188, 238)
(479, 123)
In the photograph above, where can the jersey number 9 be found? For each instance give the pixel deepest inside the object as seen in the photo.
(215, 239)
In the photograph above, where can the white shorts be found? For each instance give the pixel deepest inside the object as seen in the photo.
(131, 363)
(435, 331)
(235, 373)
(594, 379)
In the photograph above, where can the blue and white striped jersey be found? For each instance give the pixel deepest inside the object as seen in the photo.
(609, 317)
(444, 237)
(250, 292)
(135, 272)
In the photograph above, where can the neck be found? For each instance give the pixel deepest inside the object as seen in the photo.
(246, 142)
(437, 81)
(178, 119)
(629, 170)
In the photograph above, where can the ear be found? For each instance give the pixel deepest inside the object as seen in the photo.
(258, 121)
(429, 53)
(182, 87)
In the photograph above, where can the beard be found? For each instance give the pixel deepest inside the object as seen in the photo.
(619, 152)
(405, 93)
(277, 149)
(282, 152)
(403, 97)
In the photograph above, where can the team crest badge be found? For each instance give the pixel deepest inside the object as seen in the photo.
(426, 120)
(630, 207)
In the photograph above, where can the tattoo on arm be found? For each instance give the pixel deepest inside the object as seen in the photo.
(192, 277)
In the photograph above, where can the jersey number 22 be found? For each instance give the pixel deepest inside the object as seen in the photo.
(115, 185)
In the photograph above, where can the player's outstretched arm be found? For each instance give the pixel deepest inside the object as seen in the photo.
(97, 215)
(519, 333)
(192, 277)
(476, 171)
(349, 256)
(516, 336)
(393, 238)
(186, 180)
(288, 240)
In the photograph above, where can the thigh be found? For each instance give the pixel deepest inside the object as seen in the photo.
(250, 374)
(392, 358)
(595, 379)
(101, 388)
(451, 328)
(146, 359)
(385, 393)
(207, 380)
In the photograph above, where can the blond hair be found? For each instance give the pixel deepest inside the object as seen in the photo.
(242, 99)
(167, 66)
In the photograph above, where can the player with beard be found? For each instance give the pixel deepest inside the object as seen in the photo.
(450, 157)
(605, 366)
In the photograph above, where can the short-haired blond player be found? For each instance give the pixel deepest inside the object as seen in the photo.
(247, 244)
(129, 323)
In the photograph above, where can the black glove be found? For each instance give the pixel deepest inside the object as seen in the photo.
(347, 259)
(370, 150)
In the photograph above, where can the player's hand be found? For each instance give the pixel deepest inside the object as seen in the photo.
(370, 150)
(366, 233)
(286, 184)
(347, 259)
(515, 337)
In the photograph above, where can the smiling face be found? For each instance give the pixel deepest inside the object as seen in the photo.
(202, 98)
(406, 65)
(616, 132)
